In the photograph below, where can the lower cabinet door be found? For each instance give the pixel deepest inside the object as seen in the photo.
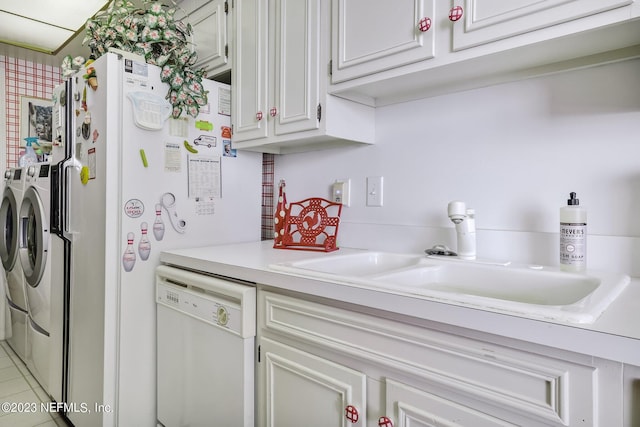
(409, 406)
(297, 388)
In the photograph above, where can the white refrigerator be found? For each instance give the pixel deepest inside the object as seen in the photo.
(127, 183)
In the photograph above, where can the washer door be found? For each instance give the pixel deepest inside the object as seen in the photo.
(34, 237)
(9, 224)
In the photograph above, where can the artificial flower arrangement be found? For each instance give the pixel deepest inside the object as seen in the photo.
(153, 33)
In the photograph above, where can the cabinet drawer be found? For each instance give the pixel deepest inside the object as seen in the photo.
(545, 390)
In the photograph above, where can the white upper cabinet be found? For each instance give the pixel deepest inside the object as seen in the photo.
(279, 85)
(296, 68)
(388, 52)
(485, 21)
(369, 39)
(249, 81)
(211, 23)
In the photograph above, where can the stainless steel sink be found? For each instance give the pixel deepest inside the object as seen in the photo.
(534, 291)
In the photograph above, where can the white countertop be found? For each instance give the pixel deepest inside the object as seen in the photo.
(615, 335)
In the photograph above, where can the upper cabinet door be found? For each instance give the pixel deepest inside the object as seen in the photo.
(370, 36)
(210, 22)
(485, 21)
(296, 27)
(210, 36)
(249, 80)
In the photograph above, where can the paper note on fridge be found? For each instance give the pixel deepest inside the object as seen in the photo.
(204, 176)
(172, 157)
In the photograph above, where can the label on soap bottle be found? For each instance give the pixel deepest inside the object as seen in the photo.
(573, 244)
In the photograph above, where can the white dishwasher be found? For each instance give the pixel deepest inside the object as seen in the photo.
(206, 329)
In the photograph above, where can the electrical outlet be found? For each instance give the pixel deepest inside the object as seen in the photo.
(340, 191)
(374, 190)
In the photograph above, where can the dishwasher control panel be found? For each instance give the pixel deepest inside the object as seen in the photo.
(200, 305)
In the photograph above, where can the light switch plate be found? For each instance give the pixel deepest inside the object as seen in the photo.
(374, 191)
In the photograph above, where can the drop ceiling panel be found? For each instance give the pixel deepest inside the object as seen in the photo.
(65, 14)
(32, 34)
(38, 25)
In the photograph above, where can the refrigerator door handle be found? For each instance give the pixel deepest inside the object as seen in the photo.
(69, 165)
(56, 212)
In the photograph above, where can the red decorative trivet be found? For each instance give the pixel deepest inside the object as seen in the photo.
(310, 224)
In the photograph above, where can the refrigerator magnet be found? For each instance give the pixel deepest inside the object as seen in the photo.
(84, 175)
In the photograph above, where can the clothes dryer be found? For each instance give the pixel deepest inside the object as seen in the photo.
(34, 218)
(9, 245)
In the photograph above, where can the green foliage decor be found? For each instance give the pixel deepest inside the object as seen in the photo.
(152, 32)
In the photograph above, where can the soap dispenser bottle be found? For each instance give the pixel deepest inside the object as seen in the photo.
(573, 235)
(29, 157)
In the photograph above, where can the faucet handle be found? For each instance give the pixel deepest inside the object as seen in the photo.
(456, 210)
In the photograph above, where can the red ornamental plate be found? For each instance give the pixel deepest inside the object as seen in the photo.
(311, 224)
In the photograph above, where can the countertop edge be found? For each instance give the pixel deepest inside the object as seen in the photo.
(250, 261)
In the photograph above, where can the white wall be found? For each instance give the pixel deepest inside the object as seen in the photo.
(513, 152)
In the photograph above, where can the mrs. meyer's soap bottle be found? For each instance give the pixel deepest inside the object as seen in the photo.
(573, 236)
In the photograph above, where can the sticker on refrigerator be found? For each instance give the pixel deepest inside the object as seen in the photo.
(179, 127)
(144, 247)
(136, 68)
(224, 102)
(205, 206)
(134, 208)
(206, 140)
(129, 255)
(172, 157)
(204, 176)
(228, 151)
(91, 162)
(204, 125)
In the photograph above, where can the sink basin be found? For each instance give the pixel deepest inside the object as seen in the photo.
(524, 285)
(355, 265)
(533, 291)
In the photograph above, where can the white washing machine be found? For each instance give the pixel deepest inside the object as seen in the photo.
(34, 254)
(9, 247)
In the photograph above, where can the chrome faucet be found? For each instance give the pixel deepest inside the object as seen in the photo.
(464, 219)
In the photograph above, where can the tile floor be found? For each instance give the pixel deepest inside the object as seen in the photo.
(17, 385)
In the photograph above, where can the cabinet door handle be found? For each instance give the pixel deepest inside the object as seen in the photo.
(455, 13)
(424, 24)
(273, 112)
(385, 422)
(351, 413)
(259, 115)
